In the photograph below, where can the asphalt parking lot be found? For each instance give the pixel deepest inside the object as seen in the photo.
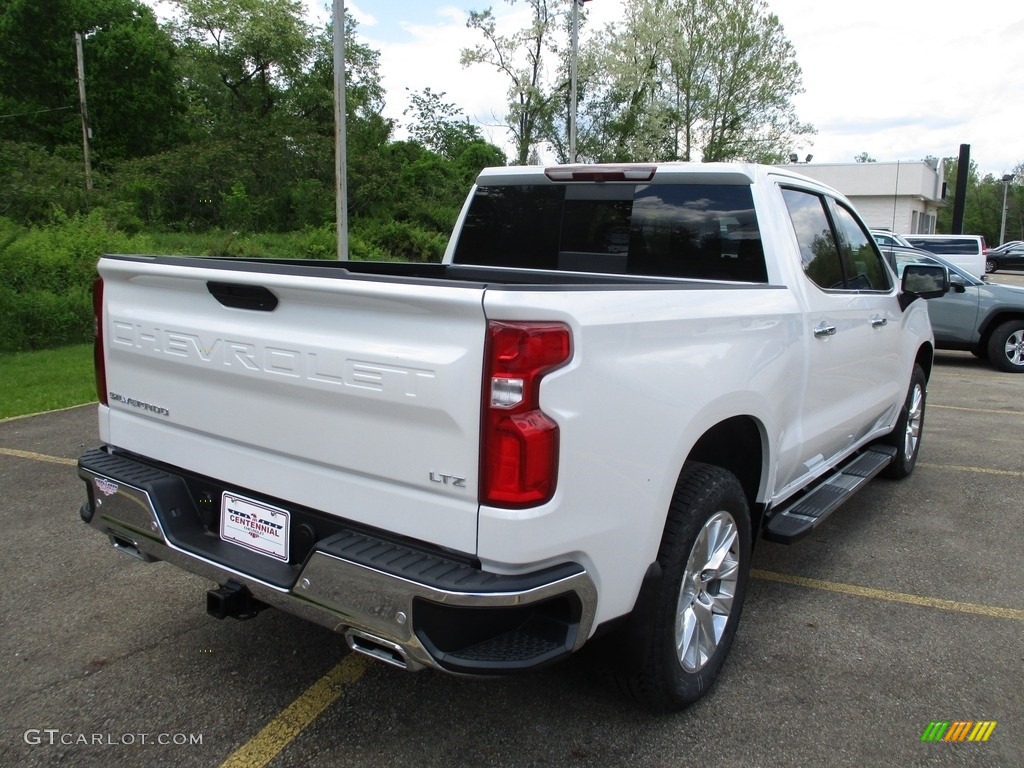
(905, 608)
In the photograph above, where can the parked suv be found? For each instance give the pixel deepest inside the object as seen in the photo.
(966, 251)
(985, 319)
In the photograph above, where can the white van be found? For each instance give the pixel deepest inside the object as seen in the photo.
(966, 251)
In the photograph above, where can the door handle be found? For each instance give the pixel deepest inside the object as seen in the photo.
(878, 322)
(824, 331)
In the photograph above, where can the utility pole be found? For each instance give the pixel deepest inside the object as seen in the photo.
(86, 132)
(340, 145)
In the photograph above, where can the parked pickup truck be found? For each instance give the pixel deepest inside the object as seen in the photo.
(576, 425)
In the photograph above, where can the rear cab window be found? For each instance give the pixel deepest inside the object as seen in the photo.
(703, 231)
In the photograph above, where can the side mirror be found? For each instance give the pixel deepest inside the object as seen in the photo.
(923, 281)
(957, 286)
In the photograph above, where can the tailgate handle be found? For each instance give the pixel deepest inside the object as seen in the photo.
(239, 296)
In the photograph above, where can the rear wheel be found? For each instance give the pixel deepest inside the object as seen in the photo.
(705, 562)
(906, 436)
(990, 266)
(1006, 347)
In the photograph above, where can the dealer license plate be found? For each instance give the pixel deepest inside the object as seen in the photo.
(255, 525)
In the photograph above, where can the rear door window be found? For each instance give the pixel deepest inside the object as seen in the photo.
(836, 251)
(819, 251)
(862, 262)
(706, 231)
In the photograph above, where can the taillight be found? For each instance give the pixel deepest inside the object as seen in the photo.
(519, 442)
(97, 344)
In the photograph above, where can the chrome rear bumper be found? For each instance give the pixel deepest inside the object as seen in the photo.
(404, 606)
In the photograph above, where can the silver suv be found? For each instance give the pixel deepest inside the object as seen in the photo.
(983, 318)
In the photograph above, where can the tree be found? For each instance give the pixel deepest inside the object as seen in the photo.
(626, 110)
(438, 125)
(262, 80)
(983, 204)
(864, 157)
(253, 48)
(131, 76)
(520, 57)
(696, 79)
(310, 103)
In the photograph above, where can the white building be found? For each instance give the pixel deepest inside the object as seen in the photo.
(902, 196)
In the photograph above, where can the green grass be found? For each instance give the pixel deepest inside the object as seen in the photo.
(31, 382)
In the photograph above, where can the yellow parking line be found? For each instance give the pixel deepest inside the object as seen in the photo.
(37, 456)
(896, 597)
(297, 716)
(979, 470)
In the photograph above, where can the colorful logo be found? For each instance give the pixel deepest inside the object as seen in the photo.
(958, 730)
(104, 486)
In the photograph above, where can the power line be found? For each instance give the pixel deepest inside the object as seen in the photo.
(36, 112)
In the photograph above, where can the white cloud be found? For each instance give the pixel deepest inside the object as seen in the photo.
(904, 80)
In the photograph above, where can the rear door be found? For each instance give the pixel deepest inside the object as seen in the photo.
(852, 330)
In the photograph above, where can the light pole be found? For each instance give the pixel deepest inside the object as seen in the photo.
(1002, 226)
(572, 76)
(340, 151)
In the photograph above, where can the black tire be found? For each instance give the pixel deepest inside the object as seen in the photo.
(906, 435)
(1006, 347)
(990, 266)
(708, 521)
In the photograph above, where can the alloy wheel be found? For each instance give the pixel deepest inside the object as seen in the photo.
(707, 592)
(914, 419)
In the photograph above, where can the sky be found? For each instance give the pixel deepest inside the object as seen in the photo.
(897, 79)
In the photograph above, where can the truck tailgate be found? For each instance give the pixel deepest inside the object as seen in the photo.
(356, 397)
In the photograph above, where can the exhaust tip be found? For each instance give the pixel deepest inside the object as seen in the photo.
(379, 649)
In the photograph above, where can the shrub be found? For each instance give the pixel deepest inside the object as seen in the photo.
(46, 274)
(312, 204)
(35, 180)
(39, 319)
(403, 241)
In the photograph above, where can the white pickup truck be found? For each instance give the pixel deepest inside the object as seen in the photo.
(577, 424)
